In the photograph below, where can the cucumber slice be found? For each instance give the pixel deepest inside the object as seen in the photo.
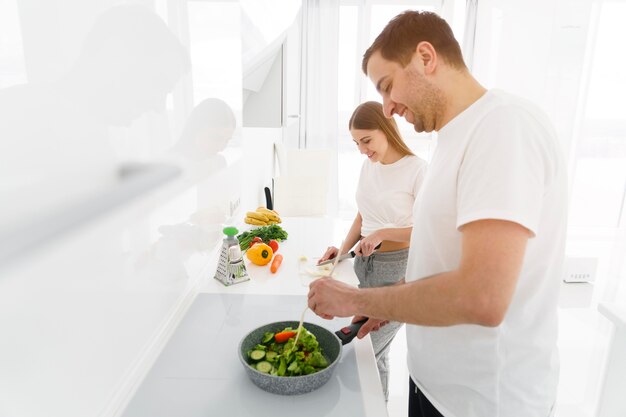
(257, 355)
(271, 356)
(264, 367)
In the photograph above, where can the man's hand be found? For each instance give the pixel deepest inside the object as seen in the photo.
(330, 298)
(371, 325)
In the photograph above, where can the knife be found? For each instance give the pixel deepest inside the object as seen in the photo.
(347, 255)
(268, 199)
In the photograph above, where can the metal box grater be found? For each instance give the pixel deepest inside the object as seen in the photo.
(231, 268)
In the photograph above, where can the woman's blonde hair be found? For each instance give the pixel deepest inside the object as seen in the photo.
(370, 116)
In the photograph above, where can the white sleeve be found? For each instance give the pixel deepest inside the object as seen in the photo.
(503, 173)
(362, 182)
(419, 177)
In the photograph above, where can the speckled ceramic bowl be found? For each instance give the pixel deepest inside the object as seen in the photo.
(291, 385)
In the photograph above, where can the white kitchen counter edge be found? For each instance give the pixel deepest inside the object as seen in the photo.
(139, 371)
(373, 399)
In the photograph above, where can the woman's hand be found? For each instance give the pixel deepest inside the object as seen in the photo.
(368, 244)
(357, 249)
(330, 253)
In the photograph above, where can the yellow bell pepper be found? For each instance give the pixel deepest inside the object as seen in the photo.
(260, 254)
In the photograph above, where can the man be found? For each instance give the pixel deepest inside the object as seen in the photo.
(481, 287)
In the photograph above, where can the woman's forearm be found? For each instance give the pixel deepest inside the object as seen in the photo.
(354, 234)
(400, 234)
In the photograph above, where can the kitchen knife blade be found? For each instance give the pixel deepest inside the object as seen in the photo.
(347, 255)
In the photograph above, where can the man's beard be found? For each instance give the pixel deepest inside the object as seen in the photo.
(427, 102)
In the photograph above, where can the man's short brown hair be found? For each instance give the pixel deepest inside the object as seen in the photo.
(398, 40)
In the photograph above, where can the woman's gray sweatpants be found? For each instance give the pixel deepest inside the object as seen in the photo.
(379, 270)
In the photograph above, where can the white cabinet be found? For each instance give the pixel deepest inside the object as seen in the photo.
(100, 282)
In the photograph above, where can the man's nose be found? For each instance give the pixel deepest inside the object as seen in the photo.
(389, 107)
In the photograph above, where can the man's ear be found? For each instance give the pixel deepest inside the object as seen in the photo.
(427, 54)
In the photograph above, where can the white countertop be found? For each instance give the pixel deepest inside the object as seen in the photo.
(310, 237)
(199, 372)
(84, 317)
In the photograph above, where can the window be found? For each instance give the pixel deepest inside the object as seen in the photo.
(215, 46)
(12, 69)
(359, 24)
(599, 177)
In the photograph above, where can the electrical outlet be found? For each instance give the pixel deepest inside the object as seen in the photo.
(233, 206)
(580, 269)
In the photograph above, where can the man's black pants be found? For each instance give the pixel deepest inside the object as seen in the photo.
(419, 406)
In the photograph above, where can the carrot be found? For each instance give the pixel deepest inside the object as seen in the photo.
(278, 258)
(282, 337)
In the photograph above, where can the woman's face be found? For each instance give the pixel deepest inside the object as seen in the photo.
(373, 144)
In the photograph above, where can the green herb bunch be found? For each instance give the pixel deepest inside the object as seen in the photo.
(266, 233)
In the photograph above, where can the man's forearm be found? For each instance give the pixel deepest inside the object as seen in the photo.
(479, 291)
(433, 301)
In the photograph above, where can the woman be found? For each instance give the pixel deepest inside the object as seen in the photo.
(388, 184)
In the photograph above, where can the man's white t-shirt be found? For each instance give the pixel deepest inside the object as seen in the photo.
(386, 193)
(499, 159)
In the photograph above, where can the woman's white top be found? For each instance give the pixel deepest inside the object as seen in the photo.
(386, 193)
